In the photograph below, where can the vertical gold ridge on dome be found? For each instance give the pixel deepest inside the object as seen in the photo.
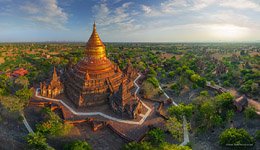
(95, 47)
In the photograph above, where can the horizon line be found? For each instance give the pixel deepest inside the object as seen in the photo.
(10, 42)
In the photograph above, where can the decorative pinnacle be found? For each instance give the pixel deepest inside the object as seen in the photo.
(94, 25)
(54, 75)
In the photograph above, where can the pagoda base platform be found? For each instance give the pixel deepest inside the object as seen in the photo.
(132, 132)
(103, 112)
(128, 130)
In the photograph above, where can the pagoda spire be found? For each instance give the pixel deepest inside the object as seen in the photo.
(123, 92)
(95, 47)
(87, 77)
(94, 26)
(54, 75)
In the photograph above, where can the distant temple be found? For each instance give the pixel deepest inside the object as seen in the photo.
(95, 80)
(52, 89)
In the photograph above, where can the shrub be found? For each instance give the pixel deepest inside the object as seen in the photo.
(152, 72)
(195, 78)
(37, 141)
(235, 137)
(181, 110)
(230, 114)
(154, 81)
(200, 81)
(190, 72)
(213, 112)
(250, 113)
(77, 145)
(12, 103)
(5, 85)
(212, 83)
(179, 70)
(207, 115)
(25, 94)
(204, 93)
(175, 128)
(171, 73)
(138, 146)
(149, 90)
(225, 101)
(227, 83)
(176, 87)
(53, 125)
(257, 134)
(156, 136)
(167, 146)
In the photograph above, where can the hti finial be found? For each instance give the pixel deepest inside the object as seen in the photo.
(94, 25)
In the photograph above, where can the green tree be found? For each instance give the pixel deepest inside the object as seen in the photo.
(225, 101)
(149, 90)
(175, 128)
(24, 94)
(77, 145)
(204, 93)
(176, 87)
(200, 81)
(5, 85)
(230, 114)
(250, 113)
(235, 137)
(138, 146)
(190, 72)
(154, 81)
(171, 74)
(156, 136)
(181, 110)
(152, 72)
(257, 135)
(36, 141)
(12, 103)
(195, 78)
(208, 116)
(167, 146)
(21, 82)
(53, 125)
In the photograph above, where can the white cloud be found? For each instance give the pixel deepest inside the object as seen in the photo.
(178, 6)
(149, 11)
(47, 12)
(101, 13)
(241, 4)
(174, 6)
(121, 16)
(224, 17)
(146, 9)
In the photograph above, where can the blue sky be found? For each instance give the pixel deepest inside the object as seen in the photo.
(130, 21)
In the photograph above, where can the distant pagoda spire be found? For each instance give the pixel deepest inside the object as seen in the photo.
(54, 75)
(87, 77)
(95, 47)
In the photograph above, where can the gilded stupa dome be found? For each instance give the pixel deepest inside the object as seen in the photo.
(95, 76)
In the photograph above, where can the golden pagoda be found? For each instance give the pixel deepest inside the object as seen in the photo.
(95, 80)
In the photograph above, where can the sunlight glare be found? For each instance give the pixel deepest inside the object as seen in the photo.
(228, 31)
